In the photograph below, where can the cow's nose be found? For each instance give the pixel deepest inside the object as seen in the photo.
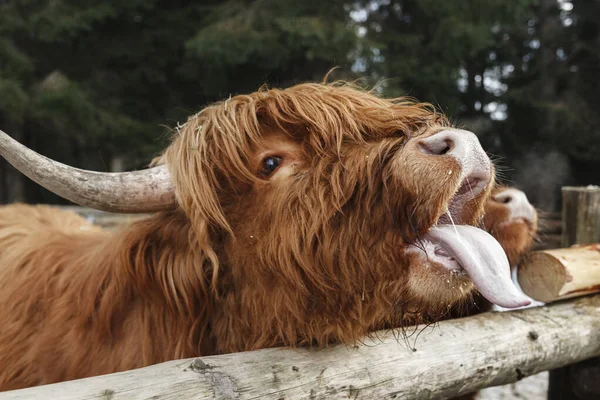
(518, 204)
(464, 147)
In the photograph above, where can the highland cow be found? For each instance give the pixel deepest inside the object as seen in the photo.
(303, 217)
(512, 220)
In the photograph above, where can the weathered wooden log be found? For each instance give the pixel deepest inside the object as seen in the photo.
(581, 215)
(442, 361)
(552, 275)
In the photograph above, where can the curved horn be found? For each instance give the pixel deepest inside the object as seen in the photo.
(125, 192)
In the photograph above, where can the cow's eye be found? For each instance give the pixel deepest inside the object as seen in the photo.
(270, 164)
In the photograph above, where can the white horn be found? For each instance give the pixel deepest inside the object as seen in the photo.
(124, 192)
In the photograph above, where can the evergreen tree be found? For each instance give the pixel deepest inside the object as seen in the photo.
(98, 84)
(93, 84)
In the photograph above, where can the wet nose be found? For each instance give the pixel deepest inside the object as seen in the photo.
(464, 147)
(518, 204)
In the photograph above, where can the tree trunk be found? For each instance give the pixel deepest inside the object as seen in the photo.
(547, 31)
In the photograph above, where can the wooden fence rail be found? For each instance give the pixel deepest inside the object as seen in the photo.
(452, 358)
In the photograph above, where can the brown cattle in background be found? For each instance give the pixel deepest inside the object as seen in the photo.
(512, 220)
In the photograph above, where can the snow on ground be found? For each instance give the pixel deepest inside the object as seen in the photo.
(532, 388)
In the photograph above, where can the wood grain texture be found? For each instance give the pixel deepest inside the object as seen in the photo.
(452, 358)
(552, 275)
(581, 215)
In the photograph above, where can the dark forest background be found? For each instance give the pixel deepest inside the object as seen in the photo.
(99, 84)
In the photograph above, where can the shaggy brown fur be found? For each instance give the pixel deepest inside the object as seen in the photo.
(310, 255)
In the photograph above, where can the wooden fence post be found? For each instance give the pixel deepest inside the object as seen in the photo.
(581, 225)
(580, 215)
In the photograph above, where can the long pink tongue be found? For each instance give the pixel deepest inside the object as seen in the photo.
(484, 260)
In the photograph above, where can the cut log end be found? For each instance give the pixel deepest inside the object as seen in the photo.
(542, 276)
(551, 275)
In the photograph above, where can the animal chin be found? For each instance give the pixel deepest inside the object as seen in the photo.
(466, 250)
(517, 221)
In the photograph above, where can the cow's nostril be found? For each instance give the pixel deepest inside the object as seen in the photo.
(503, 198)
(446, 149)
(436, 146)
(464, 148)
(517, 203)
